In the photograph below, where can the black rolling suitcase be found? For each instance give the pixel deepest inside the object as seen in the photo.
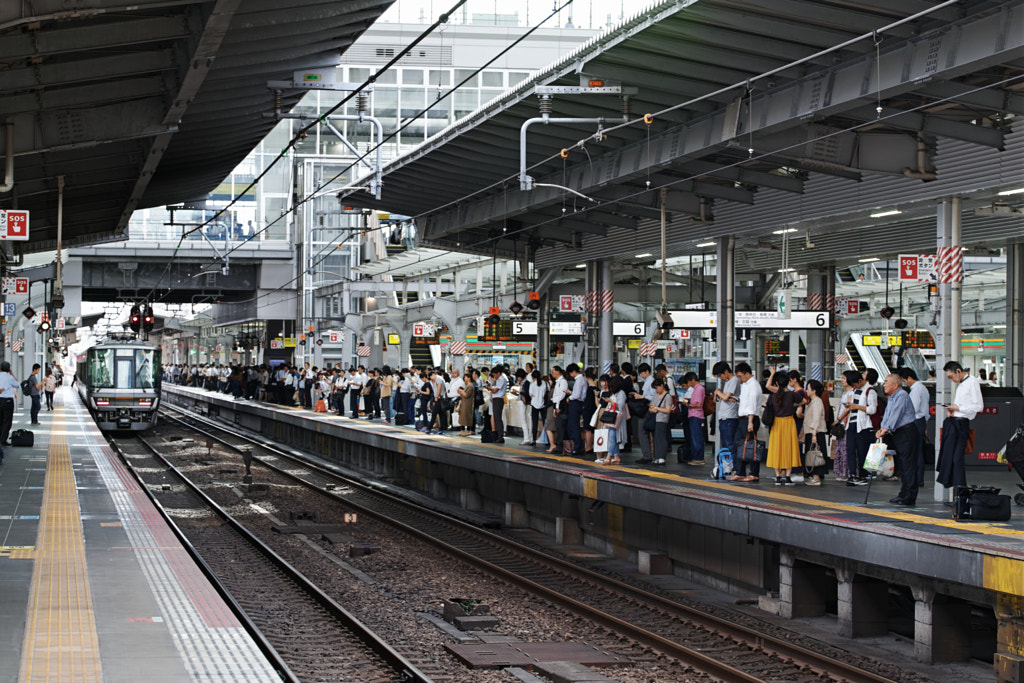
(401, 419)
(22, 437)
(488, 436)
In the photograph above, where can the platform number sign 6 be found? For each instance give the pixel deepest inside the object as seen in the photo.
(821, 320)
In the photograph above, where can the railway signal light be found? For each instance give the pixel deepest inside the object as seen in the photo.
(135, 319)
(147, 318)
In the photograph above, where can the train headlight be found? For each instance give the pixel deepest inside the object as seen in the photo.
(100, 402)
(146, 402)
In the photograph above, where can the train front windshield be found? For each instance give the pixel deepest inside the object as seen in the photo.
(115, 368)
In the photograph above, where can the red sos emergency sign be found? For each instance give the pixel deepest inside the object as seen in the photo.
(14, 225)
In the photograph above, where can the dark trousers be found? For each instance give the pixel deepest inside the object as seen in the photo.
(573, 427)
(49, 400)
(727, 428)
(740, 468)
(808, 442)
(922, 428)
(540, 416)
(353, 402)
(907, 442)
(497, 407)
(642, 438)
(857, 445)
(6, 418)
(955, 431)
(696, 438)
(36, 405)
(440, 415)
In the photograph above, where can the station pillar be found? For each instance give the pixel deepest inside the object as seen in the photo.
(605, 300)
(817, 291)
(1013, 369)
(725, 288)
(947, 340)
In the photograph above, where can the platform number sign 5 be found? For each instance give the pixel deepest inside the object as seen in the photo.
(14, 225)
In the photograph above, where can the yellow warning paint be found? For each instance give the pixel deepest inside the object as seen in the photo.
(590, 488)
(61, 643)
(1003, 574)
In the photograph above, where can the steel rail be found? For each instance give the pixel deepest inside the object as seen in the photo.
(268, 650)
(404, 669)
(818, 662)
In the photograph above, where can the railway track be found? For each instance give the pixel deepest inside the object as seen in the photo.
(311, 636)
(722, 649)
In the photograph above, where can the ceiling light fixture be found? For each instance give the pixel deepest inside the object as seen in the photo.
(787, 270)
(867, 260)
(882, 214)
(783, 231)
(643, 255)
(582, 265)
(706, 244)
(1005, 193)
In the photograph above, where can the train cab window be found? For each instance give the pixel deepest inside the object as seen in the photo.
(101, 368)
(147, 369)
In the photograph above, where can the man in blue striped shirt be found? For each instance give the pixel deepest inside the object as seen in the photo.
(899, 421)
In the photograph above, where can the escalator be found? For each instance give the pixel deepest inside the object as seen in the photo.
(855, 357)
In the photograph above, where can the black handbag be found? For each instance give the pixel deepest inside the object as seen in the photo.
(650, 421)
(608, 417)
(768, 416)
(638, 406)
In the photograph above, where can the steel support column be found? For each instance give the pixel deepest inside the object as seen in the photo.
(944, 341)
(606, 341)
(725, 288)
(1013, 368)
(955, 287)
(816, 297)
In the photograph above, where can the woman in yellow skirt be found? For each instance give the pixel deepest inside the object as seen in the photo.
(783, 445)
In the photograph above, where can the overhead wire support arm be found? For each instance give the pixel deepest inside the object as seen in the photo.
(546, 94)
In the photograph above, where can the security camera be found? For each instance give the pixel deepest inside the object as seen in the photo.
(664, 319)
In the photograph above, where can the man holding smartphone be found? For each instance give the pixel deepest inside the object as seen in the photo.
(967, 403)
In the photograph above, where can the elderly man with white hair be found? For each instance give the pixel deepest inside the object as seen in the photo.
(899, 421)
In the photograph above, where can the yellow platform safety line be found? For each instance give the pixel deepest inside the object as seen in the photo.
(1002, 574)
(61, 643)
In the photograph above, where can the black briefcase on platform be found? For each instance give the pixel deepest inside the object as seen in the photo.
(980, 504)
(401, 419)
(488, 436)
(22, 437)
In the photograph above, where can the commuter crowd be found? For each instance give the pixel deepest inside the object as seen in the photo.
(779, 421)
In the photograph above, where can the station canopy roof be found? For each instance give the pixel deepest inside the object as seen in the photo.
(802, 115)
(151, 102)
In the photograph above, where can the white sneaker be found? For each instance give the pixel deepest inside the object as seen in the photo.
(659, 461)
(601, 461)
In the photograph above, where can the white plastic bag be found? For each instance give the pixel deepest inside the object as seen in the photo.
(876, 456)
(600, 440)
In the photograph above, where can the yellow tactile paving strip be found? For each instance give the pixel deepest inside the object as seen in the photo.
(61, 642)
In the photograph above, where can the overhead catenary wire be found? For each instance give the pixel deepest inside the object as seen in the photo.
(387, 138)
(442, 19)
(725, 90)
(762, 155)
(768, 154)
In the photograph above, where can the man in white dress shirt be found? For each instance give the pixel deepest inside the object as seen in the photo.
(967, 403)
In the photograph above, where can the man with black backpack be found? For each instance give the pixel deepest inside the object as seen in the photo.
(34, 393)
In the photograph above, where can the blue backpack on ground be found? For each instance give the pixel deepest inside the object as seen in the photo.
(723, 464)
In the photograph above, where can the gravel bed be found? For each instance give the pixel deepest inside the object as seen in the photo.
(411, 577)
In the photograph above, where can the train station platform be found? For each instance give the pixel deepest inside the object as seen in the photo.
(809, 550)
(94, 585)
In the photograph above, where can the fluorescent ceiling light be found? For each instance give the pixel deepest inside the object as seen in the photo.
(786, 270)
(706, 244)
(867, 260)
(886, 213)
(646, 253)
(999, 327)
(582, 265)
(784, 231)
(1004, 193)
